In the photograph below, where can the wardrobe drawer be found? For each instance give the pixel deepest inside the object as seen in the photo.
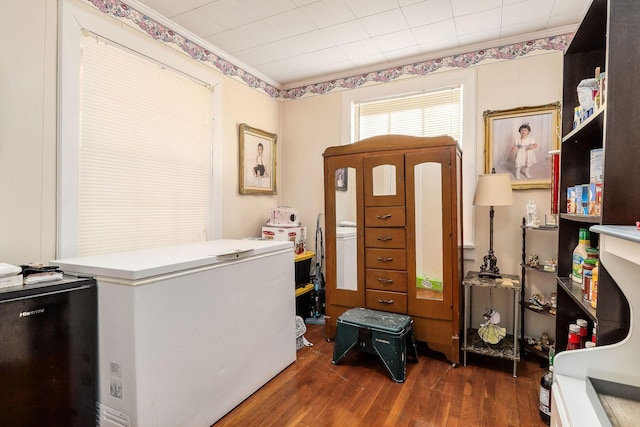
(377, 237)
(386, 301)
(386, 259)
(386, 280)
(384, 216)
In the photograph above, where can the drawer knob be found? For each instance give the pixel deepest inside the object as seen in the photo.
(384, 238)
(385, 301)
(385, 216)
(385, 259)
(385, 280)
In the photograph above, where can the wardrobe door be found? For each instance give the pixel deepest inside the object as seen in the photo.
(432, 260)
(344, 237)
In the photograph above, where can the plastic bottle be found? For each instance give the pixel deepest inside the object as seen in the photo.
(582, 324)
(594, 287)
(546, 383)
(593, 336)
(579, 255)
(587, 277)
(573, 343)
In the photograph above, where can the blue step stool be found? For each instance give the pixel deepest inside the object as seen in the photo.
(386, 334)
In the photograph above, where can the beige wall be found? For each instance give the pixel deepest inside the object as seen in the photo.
(28, 138)
(305, 127)
(27, 131)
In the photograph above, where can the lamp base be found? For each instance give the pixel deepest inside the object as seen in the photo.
(489, 267)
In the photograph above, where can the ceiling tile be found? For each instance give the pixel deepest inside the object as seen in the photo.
(395, 41)
(346, 32)
(384, 23)
(171, 8)
(406, 52)
(431, 47)
(244, 37)
(360, 48)
(523, 27)
(198, 23)
(364, 61)
(431, 33)
(427, 12)
(300, 3)
(282, 49)
(476, 22)
(466, 7)
(363, 8)
(524, 11)
(325, 13)
(479, 37)
(290, 23)
(264, 9)
(577, 8)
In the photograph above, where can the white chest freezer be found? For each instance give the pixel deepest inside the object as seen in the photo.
(188, 332)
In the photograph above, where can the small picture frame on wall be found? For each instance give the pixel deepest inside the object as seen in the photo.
(257, 161)
(518, 142)
(342, 178)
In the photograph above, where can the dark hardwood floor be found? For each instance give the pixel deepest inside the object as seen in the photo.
(359, 392)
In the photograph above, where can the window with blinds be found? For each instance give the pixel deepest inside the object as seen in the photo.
(144, 155)
(425, 114)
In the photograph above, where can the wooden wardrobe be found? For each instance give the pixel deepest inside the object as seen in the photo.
(393, 226)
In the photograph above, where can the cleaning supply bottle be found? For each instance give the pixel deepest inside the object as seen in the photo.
(546, 383)
(579, 255)
(594, 286)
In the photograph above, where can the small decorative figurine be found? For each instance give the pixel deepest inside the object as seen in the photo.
(489, 331)
(532, 214)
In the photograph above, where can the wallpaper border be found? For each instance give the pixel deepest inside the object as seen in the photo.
(161, 33)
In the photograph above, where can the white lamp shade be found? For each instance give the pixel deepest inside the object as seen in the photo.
(493, 190)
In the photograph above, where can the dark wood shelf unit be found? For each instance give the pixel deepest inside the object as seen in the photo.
(602, 40)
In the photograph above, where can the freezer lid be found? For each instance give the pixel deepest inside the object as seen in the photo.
(144, 263)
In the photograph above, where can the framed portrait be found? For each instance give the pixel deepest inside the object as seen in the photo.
(342, 177)
(257, 161)
(518, 142)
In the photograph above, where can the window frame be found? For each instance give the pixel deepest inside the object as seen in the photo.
(75, 18)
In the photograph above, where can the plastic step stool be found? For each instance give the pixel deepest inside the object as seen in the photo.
(386, 334)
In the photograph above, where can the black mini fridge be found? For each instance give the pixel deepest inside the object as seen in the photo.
(48, 354)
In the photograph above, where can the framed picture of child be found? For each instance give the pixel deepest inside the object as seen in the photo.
(257, 161)
(518, 142)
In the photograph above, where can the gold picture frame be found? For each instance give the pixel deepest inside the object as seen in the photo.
(526, 159)
(257, 161)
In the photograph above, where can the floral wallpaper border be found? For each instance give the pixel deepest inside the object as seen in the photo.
(161, 33)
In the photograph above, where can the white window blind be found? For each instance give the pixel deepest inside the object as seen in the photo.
(425, 114)
(145, 152)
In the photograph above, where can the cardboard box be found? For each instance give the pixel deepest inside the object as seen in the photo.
(595, 166)
(297, 235)
(578, 199)
(595, 199)
(584, 205)
(571, 200)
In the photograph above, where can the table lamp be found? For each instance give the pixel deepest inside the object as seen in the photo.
(493, 189)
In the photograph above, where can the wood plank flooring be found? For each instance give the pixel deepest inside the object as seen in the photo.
(359, 392)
